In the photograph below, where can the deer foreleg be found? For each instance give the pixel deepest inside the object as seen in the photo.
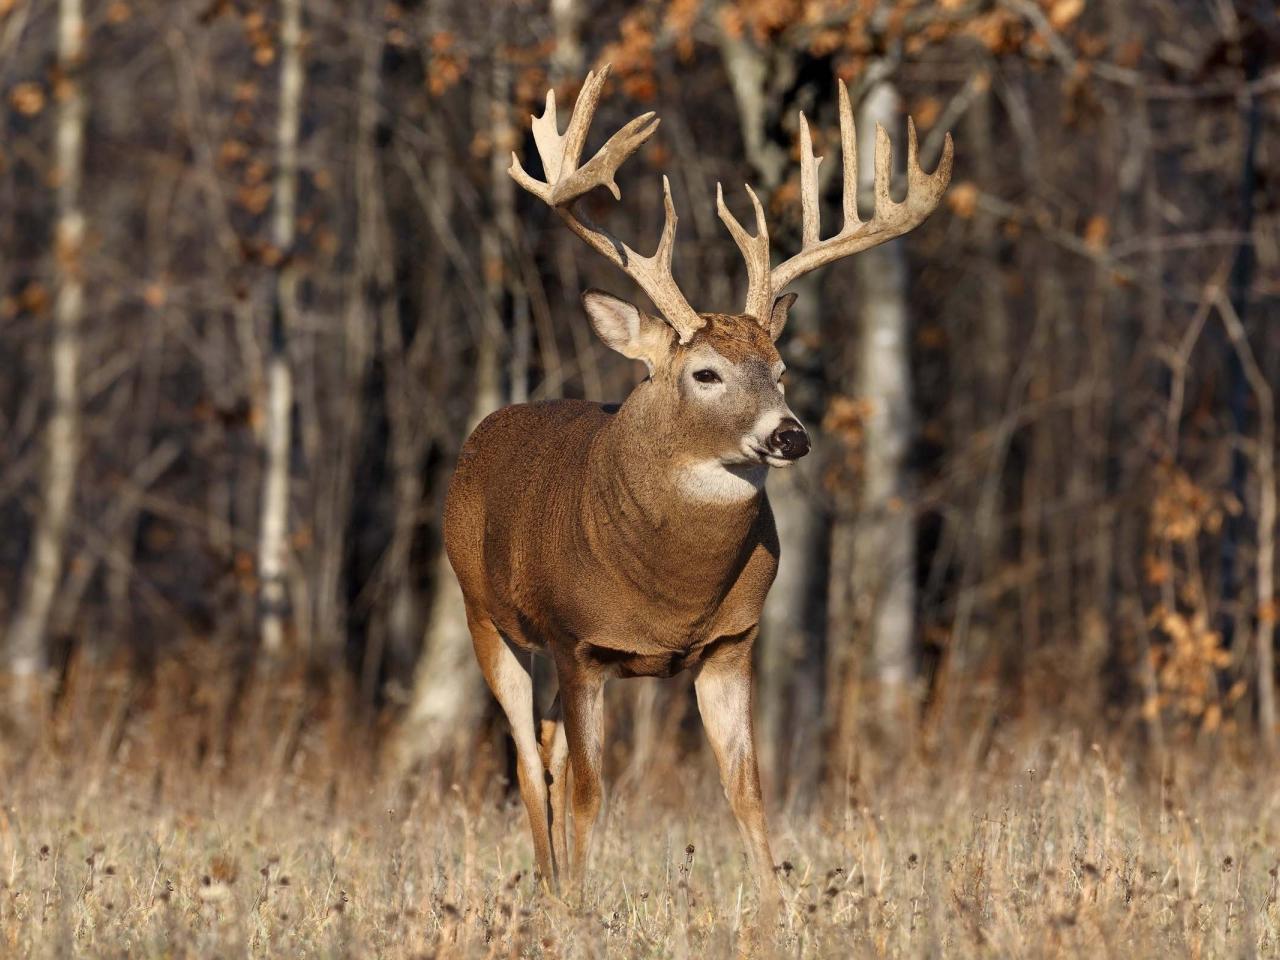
(723, 685)
(582, 699)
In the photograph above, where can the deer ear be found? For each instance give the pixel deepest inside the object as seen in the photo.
(778, 315)
(626, 329)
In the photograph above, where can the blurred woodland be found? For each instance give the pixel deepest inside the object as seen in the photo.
(262, 268)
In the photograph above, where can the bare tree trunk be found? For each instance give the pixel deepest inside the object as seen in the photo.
(567, 56)
(449, 698)
(503, 190)
(790, 650)
(28, 646)
(402, 631)
(369, 285)
(993, 368)
(884, 561)
(273, 532)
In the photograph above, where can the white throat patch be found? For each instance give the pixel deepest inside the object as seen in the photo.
(710, 481)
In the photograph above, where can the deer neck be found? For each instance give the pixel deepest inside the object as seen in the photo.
(663, 518)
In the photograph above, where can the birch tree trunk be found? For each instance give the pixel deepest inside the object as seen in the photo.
(789, 661)
(28, 644)
(566, 16)
(884, 562)
(790, 656)
(274, 522)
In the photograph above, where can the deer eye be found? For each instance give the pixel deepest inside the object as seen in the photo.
(706, 376)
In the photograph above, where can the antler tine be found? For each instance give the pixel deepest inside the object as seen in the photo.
(884, 175)
(809, 200)
(849, 160)
(584, 111)
(754, 250)
(928, 187)
(667, 242)
(547, 139)
(567, 181)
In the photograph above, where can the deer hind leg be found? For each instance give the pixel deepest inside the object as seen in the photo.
(724, 701)
(582, 699)
(508, 673)
(555, 754)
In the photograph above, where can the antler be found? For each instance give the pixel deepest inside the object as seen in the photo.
(890, 219)
(566, 182)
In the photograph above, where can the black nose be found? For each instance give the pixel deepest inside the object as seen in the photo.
(789, 441)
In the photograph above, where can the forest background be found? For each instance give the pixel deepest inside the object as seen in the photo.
(262, 268)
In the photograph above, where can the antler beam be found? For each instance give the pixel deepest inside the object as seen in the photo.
(889, 220)
(567, 181)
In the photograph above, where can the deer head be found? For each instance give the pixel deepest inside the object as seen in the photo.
(718, 374)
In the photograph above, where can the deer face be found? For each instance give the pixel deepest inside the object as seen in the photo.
(720, 398)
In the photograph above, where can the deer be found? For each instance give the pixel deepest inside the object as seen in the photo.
(636, 539)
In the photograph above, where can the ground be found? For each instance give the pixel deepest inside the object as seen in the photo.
(1056, 847)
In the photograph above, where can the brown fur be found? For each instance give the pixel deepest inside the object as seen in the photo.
(737, 337)
(570, 538)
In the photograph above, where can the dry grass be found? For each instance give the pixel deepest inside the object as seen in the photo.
(1051, 847)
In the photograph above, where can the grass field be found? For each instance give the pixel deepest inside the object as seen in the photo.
(1050, 847)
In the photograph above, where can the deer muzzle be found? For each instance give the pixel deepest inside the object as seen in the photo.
(789, 441)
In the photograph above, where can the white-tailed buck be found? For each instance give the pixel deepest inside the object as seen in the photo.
(636, 539)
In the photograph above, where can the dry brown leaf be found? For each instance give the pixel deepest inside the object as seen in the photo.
(27, 98)
(34, 298)
(1063, 13)
(962, 199)
(254, 198)
(1097, 232)
(155, 295)
(926, 111)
